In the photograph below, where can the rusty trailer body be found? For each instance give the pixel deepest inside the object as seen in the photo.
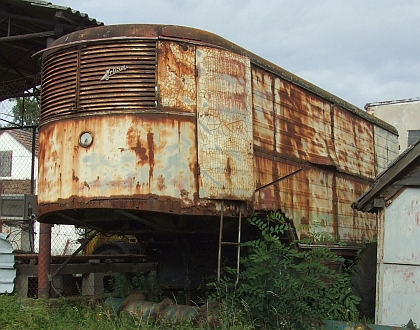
(150, 129)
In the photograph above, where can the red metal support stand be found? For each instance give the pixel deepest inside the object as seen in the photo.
(44, 260)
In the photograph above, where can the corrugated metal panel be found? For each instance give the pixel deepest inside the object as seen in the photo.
(130, 156)
(176, 77)
(7, 264)
(224, 125)
(304, 125)
(354, 143)
(386, 148)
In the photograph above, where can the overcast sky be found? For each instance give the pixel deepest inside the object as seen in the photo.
(360, 50)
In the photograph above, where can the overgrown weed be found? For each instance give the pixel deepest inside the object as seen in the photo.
(282, 287)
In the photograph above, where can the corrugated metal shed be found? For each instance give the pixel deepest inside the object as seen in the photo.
(7, 263)
(403, 171)
(395, 195)
(25, 26)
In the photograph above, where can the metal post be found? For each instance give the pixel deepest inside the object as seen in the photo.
(23, 111)
(80, 248)
(239, 247)
(44, 260)
(33, 192)
(219, 256)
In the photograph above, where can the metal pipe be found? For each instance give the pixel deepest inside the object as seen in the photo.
(27, 36)
(278, 180)
(219, 255)
(44, 260)
(86, 242)
(239, 247)
(22, 121)
(33, 161)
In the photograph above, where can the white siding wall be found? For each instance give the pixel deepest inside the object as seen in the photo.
(403, 115)
(21, 158)
(398, 276)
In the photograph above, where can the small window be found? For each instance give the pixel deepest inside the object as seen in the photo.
(413, 137)
(5, 163)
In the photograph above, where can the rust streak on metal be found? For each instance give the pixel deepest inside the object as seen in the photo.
(150, 145)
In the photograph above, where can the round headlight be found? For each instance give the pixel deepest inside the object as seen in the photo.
(85, 139)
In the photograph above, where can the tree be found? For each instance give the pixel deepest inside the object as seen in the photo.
(26, 111)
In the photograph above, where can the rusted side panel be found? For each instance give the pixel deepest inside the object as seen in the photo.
(354, 143)
(352, 225)
(304, 198)
(263, 113)
(307, 199)
(386, 148)
(130, 156)
(318, 201)
(267, 198)
(304, 124)
(176, 77)
(224, 125)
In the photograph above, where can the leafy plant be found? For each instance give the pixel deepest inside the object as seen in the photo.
(147, 284)
(285, 288)
(338, 300)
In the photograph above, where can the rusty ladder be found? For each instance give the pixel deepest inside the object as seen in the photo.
(221, 243)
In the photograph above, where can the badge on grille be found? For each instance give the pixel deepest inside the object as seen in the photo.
(110, 72)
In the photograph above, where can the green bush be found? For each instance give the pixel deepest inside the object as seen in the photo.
(284, 288)
(148, 284)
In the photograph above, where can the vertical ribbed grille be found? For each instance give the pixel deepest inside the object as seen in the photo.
(76, 80)
(58, 84)
(131, 88)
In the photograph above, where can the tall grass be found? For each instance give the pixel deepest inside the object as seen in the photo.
(17, 313)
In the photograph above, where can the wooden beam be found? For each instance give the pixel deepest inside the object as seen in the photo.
(27, 36)
(88, 268)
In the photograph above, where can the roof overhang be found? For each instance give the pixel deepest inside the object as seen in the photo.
(26, 27)
(403, 172)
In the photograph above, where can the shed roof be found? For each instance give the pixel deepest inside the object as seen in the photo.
(23, 137)
(25, 26)
(403, 171)
(391, 102)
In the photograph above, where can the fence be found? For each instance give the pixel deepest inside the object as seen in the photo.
(18, 191)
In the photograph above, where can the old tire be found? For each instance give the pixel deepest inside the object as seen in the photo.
(364, 280)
